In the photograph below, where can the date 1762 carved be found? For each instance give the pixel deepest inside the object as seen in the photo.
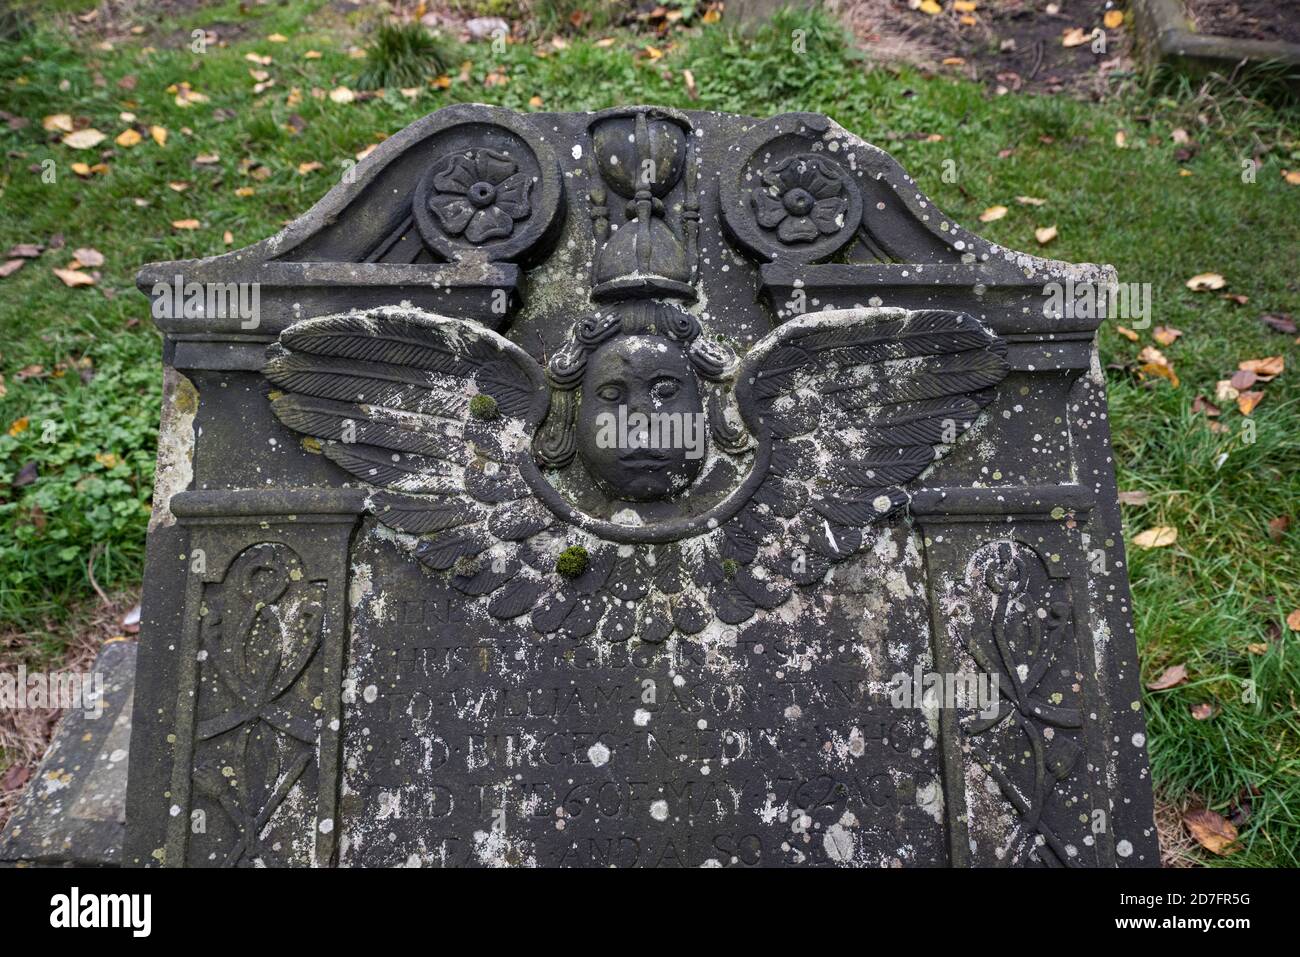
(637, 488)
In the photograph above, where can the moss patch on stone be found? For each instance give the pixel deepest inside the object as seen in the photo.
(572, 562)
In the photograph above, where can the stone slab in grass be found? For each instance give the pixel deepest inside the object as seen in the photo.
(73, 811)
(637, 488)
(1168, 36)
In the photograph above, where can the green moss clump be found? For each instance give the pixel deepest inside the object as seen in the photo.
(729, 567)
(483, 407)
(572, 562)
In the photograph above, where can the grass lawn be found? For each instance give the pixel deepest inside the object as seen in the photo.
(81, 365)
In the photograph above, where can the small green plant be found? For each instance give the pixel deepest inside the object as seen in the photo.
(483, 407)
(572, 562)
(729, 567)
(403, 55)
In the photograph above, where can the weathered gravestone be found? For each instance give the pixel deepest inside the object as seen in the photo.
(569, 489)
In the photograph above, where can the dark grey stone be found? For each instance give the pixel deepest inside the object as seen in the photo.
(417, 594)
(73, 811)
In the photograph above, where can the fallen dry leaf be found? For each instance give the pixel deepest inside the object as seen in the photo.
(1293, 620)
(1204, 405)
(1113, 20)
(1247, 401)
(341, 94)
(88, 257)
(1257, 648)
(207, 159)
(1277, 527)
(1127, 333)
(1045, 234)
(10, 267)
(1134, 498)
(992, 214)
(1030, 201)
(1292, 176)
(185, 224)
(1225, 391)
(57, 123)
(311, 167)
(1279, 322)
(1205, 281)
(1073, 37)
(1166, 335)
(85, 139)
(75, 277)
(26, 250)
(930, 7)
(1158, 537)
(128, 138)
(228, 238)
(1170, 677)
(1202, 711)
(1242, 379)
(1121, 139)
(159, 134)
(1266, 369)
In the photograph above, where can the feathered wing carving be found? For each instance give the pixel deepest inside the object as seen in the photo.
(848, 407)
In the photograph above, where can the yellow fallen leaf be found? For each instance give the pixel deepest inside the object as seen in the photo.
(57, 123)
(1166, 335)
(107, 459)
(1030, 201)
(1045, 234)
(159, 134)
(930, 7)
(178, 186)
(278, 38)
(81, 169)
(1073, 37)
(128, 138)
(535, 102)
(185, 224)
(75, 277)
(1113, 20)
(1127, 333)
(1225, 391)
(341, 94)
(992, 214)
(310, 167)
(228, 237)
(85, 139)
(1247, 401)
(954, 61)
(1293, 620)
(965, 6)
(1161, 369)
(654, 53)
(245, 191)
(18, 427)
(1121, 139)
(1158, 537)
(312, 55)
(1206, 280)
(1292, 176)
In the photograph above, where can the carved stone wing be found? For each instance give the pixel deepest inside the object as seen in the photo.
(850, 406)
(437, 413)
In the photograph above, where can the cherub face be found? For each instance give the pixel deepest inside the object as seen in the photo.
(641, 424)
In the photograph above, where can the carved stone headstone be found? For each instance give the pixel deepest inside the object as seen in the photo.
(633, 488)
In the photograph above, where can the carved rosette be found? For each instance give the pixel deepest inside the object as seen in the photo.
(790, 198)
(492, 190)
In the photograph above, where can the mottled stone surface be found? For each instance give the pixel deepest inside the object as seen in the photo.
(73, 812)
(423, 591)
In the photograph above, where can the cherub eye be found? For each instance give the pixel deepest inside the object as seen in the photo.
(665, 388)
(609, 392)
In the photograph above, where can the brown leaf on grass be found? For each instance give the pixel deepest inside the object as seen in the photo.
(1225, 391)
(185, 224)
(309, 167)
(1127, 333)
(10, 267)
(1293, 620)
(1074, 37)
(178, 186)
(1247, 401)
(1045, 234)
(1279, 322)
(159, 134)
(1171, 676)
(992, 214)
(1030, 201)
(57, 123)
(1266, 369)
(1202, 404)
(1202, 282)
(228, 238)
(75, 277)
(688, 77)
(88, 257)
(128, 137)
(1113, 20)
(1242, 379)
(1257, 648)
(26, 250)
(15, 777)
(207, 159)
(1134, 498)
(1160, 536)
(1212, 831)
(1277, 527)
(1166, 335)
(28, 474)
(1203, 711)
(1161, 369)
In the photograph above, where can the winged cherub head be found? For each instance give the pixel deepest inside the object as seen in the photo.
(628, 396)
